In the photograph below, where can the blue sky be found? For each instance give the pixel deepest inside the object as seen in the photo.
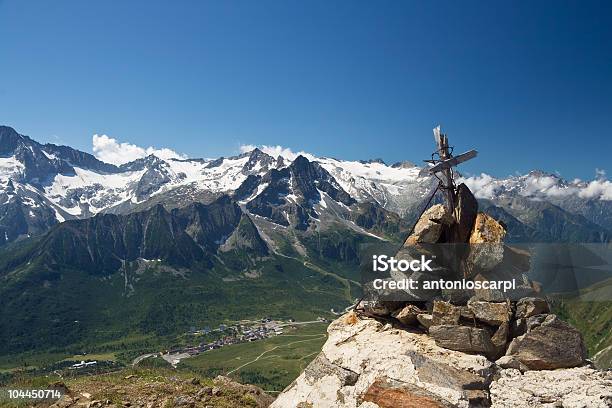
(529, 84)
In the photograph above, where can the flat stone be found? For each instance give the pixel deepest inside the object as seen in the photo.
(386, 393)
(438, 373)
(494, 313)
(548, 345)
(488, 295)
(445, 313)
(531, 306)
(464, 338)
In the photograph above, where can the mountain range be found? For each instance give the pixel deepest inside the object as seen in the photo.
(159, 245)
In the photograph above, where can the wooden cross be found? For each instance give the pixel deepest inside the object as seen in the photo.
(445, 164)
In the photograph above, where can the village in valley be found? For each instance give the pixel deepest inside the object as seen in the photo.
(243, 331)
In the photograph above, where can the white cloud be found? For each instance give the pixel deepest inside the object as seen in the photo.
(540, 186)
(247, 148)
(276, 151)
(537, 186)
(110, 150)
(600, 188)
(483, 186)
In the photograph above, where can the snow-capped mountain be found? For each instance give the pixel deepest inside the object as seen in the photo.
(41, 185)
(590, 199)
(56, 183)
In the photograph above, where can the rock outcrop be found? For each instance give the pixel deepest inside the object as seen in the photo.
(457, 347)
(366, 363)
(549, 343)
(486, 321)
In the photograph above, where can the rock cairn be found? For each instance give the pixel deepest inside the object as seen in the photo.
(516, 330)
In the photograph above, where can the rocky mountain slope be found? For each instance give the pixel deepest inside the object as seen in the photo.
(41, 185)
(368, 364)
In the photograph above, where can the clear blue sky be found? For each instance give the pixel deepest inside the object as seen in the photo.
(529, 84)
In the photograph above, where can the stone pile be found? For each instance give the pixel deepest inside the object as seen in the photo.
(366, 363)
(520, 333)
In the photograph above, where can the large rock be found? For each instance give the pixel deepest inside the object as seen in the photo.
(500, 340)
(494, 313)
(368, 364)
(465, 214)
(429, 227)
(487, 230)
(464, 338)
(581, 387)
(549, 343)
(445, 313)
(387, 393)
(408, 314)
(486, 248)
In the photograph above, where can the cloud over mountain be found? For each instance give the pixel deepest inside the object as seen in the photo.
(541, 186)
(110, 150)
(276, 151)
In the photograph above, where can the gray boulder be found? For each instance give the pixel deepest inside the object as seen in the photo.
(549, 343)
(494, 313)
(466, 210)
(464, 338)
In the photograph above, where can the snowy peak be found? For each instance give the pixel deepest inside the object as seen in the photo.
(310, 178)
(289, 196)
(10, 140)
(258, 162)
(538, 184)
(77, 158)
(59, 183)
(24, 159)
(71, 184)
